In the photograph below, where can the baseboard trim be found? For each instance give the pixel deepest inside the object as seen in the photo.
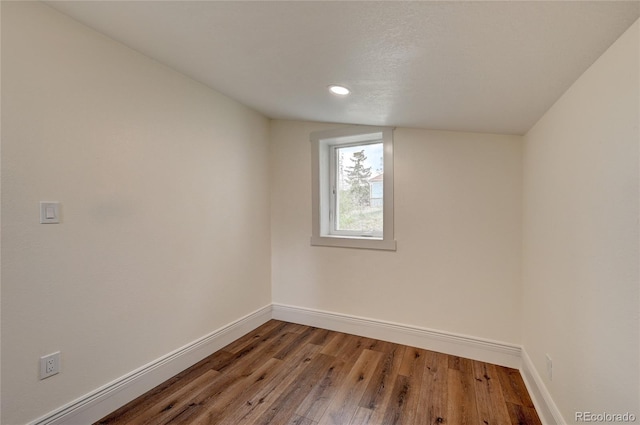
(545, 406)
(106, 399)
(495, 352)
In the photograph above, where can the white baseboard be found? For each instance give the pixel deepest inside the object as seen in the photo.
(495, 352)
(546, 408)
(110, 397)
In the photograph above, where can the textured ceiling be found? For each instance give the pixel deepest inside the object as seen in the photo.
(469, 66)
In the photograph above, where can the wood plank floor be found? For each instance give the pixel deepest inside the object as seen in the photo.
(289, 374)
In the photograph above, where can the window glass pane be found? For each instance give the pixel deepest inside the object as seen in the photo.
(359, 195)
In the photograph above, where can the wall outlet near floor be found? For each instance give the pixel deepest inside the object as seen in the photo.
(50, 365)
(549, 367)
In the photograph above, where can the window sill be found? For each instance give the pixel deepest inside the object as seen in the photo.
(353, 242)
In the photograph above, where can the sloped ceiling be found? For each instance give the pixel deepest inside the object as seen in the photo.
(469, 66)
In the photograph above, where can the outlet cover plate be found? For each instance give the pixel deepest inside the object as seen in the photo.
(49, 365)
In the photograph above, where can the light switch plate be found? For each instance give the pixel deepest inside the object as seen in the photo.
(49, 212)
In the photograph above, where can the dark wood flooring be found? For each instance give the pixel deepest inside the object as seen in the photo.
(289, 374)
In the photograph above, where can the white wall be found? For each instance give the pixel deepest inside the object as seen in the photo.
(580, 267)
(0, 220)
(457, 223)
(165, 199)
(167, 234)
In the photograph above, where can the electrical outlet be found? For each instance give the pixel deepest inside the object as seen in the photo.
(50, 365)
(549, 367)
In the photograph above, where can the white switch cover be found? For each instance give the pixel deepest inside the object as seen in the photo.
(49, 212)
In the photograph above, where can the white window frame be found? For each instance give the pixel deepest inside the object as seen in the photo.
(323, 145)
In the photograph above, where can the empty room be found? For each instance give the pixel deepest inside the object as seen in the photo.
(320, 212)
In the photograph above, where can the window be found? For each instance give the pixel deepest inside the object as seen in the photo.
(353, 187)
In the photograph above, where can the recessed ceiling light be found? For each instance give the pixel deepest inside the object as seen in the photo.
(339, 90)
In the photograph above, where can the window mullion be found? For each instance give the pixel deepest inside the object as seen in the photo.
(332, 190)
